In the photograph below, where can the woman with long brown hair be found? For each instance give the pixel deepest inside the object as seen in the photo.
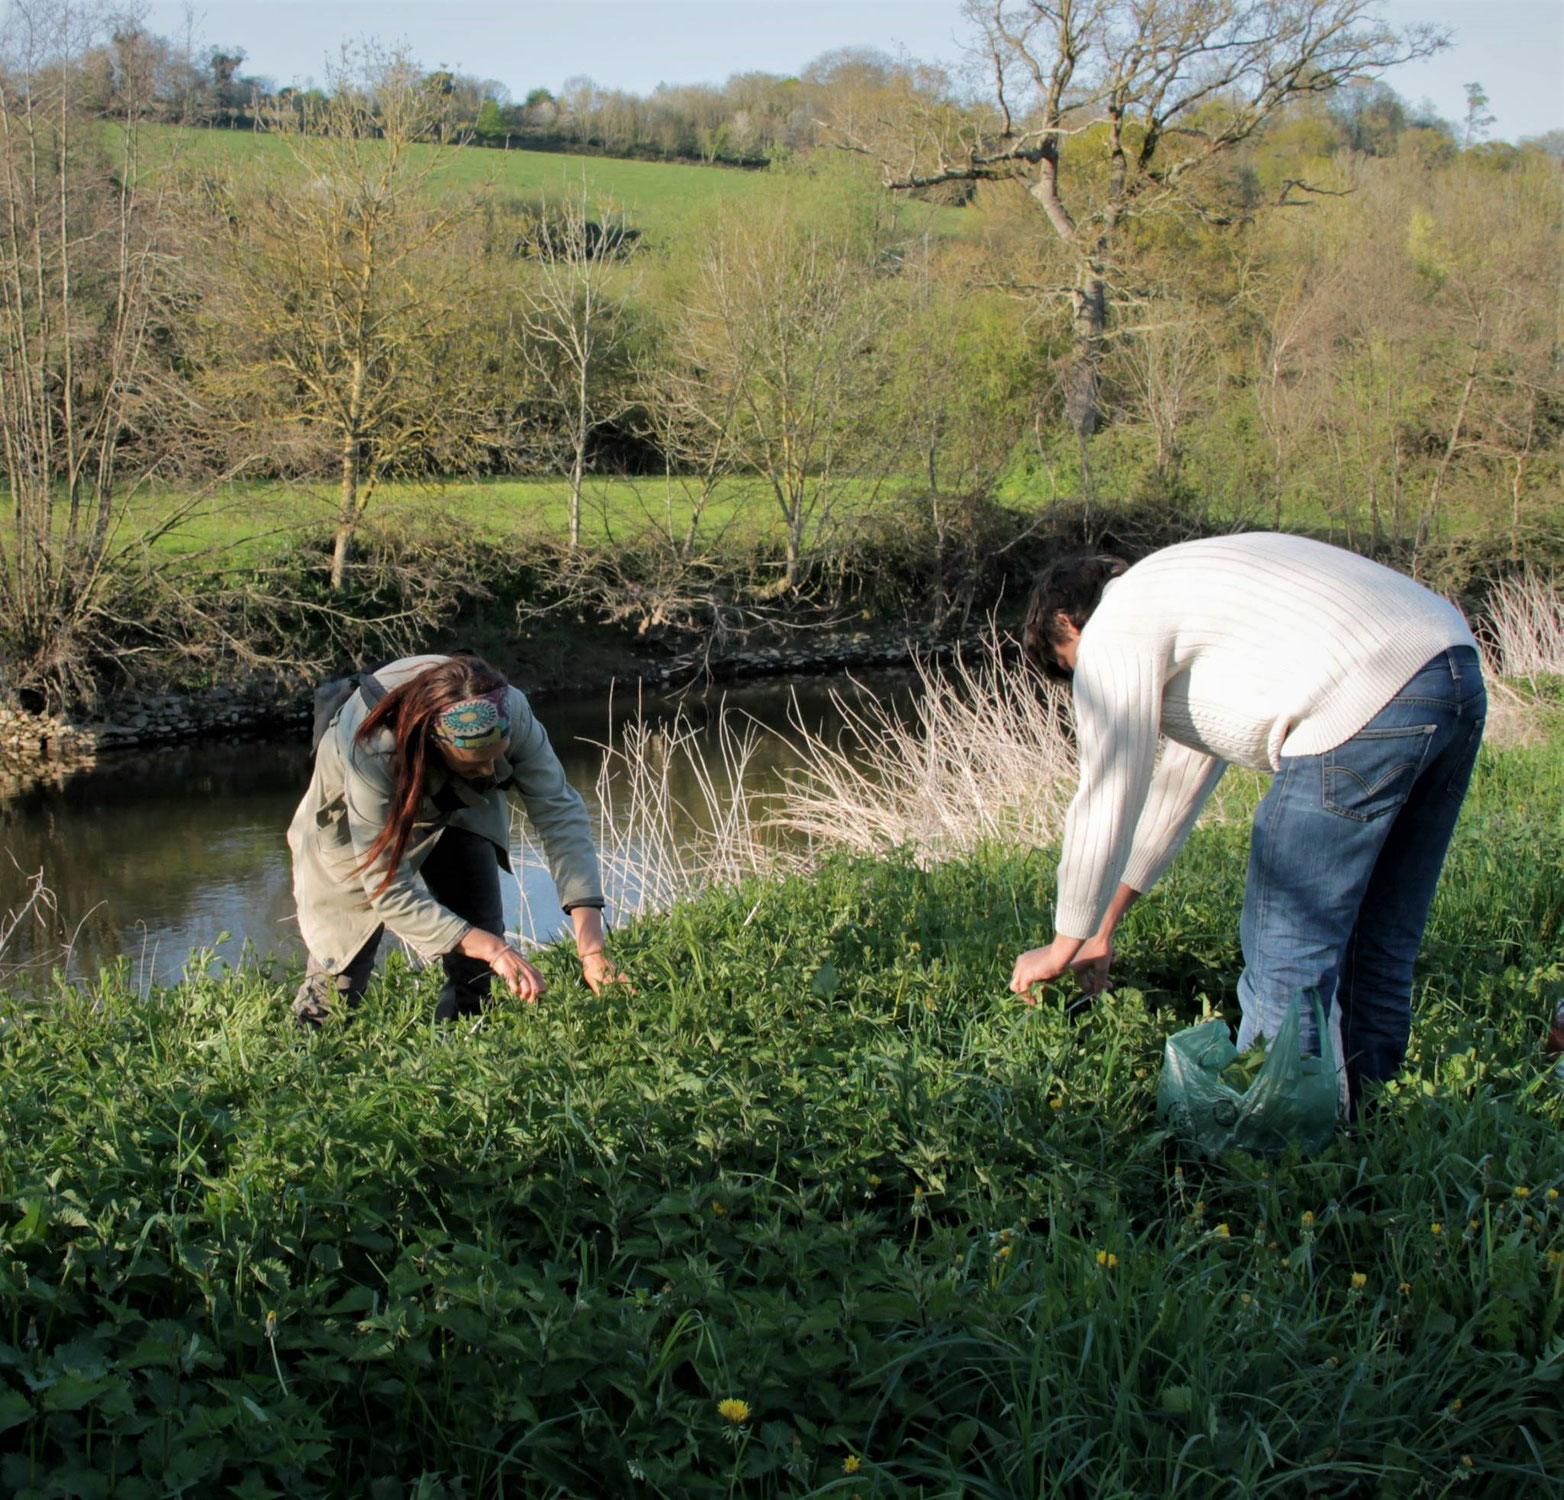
(406, 825)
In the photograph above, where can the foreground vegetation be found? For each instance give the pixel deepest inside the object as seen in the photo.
(819, 1209)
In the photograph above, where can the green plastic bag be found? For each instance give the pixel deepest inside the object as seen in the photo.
(1292, 1098)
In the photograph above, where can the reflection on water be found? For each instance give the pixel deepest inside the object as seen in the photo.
(152, 856)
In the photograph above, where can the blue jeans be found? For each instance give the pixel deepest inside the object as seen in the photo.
(1343, 862)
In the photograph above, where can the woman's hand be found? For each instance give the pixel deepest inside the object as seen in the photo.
(600, 973)
(1039, 965)
(597, 969)
(521, 979)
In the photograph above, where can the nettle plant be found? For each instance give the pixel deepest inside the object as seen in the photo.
(819, 1208)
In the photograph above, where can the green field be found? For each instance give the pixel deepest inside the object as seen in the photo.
(659, 198)
(821, 1164)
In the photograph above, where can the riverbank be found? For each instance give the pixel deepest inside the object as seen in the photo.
(818, 1209)
(38, 748)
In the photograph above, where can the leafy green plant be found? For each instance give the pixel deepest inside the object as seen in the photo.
(819, 1209)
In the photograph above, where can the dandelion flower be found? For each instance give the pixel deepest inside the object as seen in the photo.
(1436, 1228)
(1107, 1258)
(1308, 1218)
(1522, 1191)
(1405, 1288)
(719, 1210)
(1222, 1232)
(1002, 1252)
(851, 1464)
(1552, 1195)
(731, 1409)
(1359, 1280)
(271, 1325)
(1056, 1104)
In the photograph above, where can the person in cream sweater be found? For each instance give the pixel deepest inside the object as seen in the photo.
(1357, 688)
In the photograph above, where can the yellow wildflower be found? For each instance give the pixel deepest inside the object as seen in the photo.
(1003, 1251)
(1222, 1232)
(1467, 1461)
(1308, 1219)
(1436, 1228)
(1107, 1258)
(1552, 1195)
(271, 1325)
(1359, 1281)
(1405, 1289)
(851, 1464)
(731, 1409)
(1457, 1404)
(1056, 1104)
(1522, 1191)
(719, 1210)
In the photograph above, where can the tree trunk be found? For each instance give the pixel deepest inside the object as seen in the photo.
(347, 513)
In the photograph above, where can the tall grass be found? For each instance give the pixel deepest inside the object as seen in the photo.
(985, 758)
(980, 756)
(1525, 627)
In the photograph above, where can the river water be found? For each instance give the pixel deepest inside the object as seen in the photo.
(150, 858)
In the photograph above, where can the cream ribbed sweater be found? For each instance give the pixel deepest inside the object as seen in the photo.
(1239, 650)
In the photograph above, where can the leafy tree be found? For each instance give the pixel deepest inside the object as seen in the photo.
(1113, 110)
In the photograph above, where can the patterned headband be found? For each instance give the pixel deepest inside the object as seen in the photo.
(474, 723)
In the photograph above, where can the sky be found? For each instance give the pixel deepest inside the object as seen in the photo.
(1513, 48)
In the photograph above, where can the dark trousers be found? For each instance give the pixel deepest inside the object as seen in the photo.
(463, 875)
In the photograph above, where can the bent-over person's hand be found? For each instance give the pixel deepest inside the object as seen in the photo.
(1039, 965)
(601, 973)
(521, 979)
(1092, 962)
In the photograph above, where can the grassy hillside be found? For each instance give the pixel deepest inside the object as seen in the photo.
(657, 198)
(819, 1209)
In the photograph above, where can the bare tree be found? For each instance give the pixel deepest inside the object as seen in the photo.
(1111, 110)
(1162, 365)
(337, 289)
(576, 325)
(768, 354)
(84, 281)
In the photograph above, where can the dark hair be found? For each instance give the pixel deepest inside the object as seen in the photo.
(407, 711)
(1071, 587)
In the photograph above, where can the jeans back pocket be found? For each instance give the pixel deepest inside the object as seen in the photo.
(1373, 773)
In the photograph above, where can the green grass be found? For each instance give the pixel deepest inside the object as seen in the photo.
(661, 199)
(820, 1162)
(250, 520)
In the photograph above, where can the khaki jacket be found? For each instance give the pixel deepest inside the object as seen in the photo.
(346, 807)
